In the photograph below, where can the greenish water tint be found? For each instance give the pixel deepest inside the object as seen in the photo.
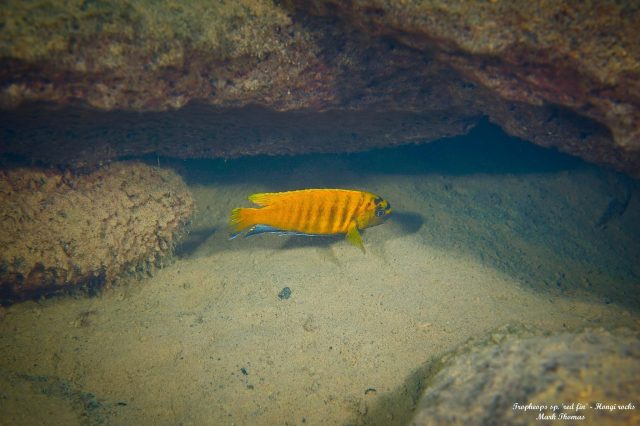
(553, 222)
(490, 237)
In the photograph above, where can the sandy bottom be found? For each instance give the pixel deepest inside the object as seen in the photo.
(475, 244)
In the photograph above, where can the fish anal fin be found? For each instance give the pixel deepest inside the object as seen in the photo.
(353, 236)
(234, 235)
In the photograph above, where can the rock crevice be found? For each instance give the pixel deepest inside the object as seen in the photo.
(517, 63)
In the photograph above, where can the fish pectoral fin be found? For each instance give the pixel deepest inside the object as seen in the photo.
(353, 236)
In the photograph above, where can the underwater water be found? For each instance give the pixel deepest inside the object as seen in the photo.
(487, 231)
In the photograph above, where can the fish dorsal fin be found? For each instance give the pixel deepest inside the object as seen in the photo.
(264, 198)
(353, 236)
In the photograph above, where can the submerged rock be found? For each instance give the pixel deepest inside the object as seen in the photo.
(594, 374)
(60, 229)
(558, 75)
(583, 56)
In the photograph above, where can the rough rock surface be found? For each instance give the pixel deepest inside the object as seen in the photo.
(60, 229)
(148, 55)
(559, 75)
(491, 384)
(583, 56)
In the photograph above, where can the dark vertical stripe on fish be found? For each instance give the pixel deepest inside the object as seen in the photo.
(361, 205)
(320, 218)
(333, 219)
(317, 214)
(312, 215)
(287, 217)
(344, 209)
(303, 219)
(296, 211)
(304, 216)
(353, 208)
(314, 203)
(342, 212)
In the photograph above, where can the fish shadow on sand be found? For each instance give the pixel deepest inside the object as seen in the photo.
(325, 241)
(193, 241)
(408, 222)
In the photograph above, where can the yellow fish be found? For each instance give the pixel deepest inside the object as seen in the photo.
(312, 212)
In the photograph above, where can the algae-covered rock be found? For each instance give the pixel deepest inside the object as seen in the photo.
(590, 378)
(59, 229)
(563, 76)
(145, 55)
(583, 56)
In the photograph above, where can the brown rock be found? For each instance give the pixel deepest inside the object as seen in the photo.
(582, 56)
(519, 379)
(59, 229)
(154, 56)
(558, 75)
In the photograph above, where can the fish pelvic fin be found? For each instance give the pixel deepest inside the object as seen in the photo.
(353, 236)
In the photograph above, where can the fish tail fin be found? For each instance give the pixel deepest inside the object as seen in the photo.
(241, 219)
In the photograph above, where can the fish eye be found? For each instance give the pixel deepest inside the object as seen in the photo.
(379, 212)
